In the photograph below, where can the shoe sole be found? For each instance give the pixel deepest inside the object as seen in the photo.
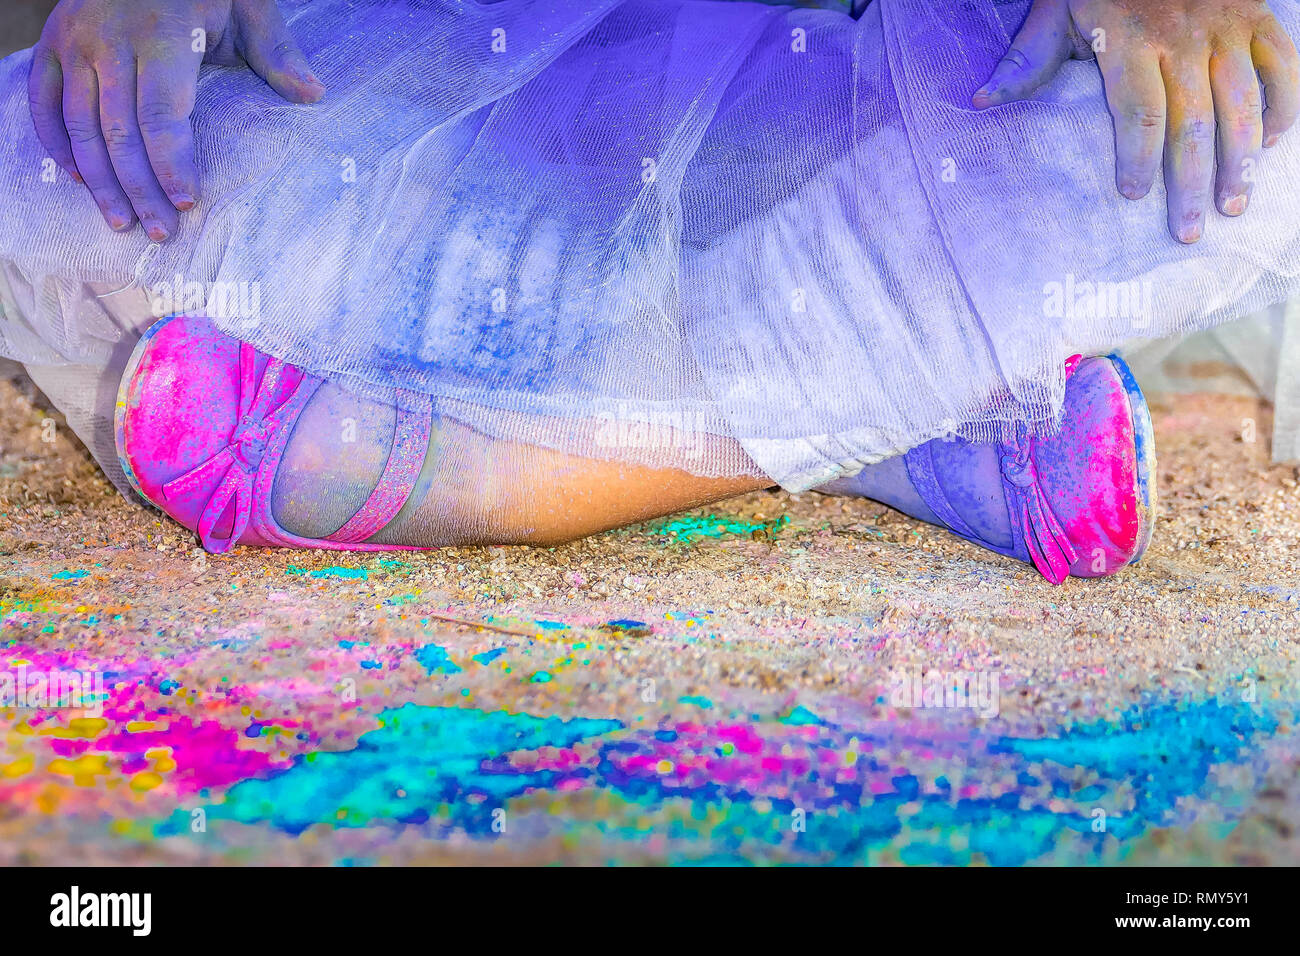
(1145, 449)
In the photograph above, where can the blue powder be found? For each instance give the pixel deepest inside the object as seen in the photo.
(701, 702)
(435, 660)
(423, 764)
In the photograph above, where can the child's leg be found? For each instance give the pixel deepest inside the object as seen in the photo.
(480, 491)
(472, 489)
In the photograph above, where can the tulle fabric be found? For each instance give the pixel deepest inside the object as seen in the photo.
(1257, 356)
(719, 236)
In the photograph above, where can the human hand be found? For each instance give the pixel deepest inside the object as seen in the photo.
(112, 86)
(1181, 83)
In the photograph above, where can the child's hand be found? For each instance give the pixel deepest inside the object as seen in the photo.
(113, 83)
(1176, 72)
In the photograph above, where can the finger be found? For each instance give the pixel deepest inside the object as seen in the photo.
(81, 119)
(270, 49)
(1135, 94)
(166, 91)
(118, 120)
(1238, 115)
(1037, 52)
(45, 98)
(1279, 70)
(1189, 145)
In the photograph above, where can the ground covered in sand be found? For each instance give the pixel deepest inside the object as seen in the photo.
(717, 686)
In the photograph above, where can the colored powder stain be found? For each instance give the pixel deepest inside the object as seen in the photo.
(734, 786)
(624, 627)
(358, 574)
(69, 575)
(703, 702)
(552, 625)
(801, 717)
(162, 761)
(78, 727)
(17, 768)
(167, 687)
(145, 780)
(200, 754)
(435, 660)
(372, 665)
(83, 770)
(715, 526)
(624, 624)
(487, 657)
(1168, 750)
(541, 677)
(424, 763)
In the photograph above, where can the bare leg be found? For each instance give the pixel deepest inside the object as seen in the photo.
(473, 489)
(506, 492)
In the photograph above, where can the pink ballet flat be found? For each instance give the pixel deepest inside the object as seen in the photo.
(1079, 503)
(202, 421)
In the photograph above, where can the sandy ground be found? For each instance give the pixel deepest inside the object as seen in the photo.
(768, 606)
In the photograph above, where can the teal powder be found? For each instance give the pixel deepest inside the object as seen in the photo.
(357, 574)
(436, 660)
(438, 758)
(702, 702)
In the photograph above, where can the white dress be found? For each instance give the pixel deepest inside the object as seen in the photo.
(718, 236)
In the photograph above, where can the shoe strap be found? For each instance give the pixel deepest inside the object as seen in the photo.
(269, 404)
(1036, 532)
(410, 446)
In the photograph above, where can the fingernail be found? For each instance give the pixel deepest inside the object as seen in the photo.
(1132, 190)
(183, 201)
(1191, 232)
(157, 232)
(1235, 205)
(77, 176)
(1272, 140)
(116, 219)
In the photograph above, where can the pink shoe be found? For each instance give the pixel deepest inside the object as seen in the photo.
(1080, 503)
(202, 422)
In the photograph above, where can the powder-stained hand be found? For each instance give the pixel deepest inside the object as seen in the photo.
(113, 83)
(1183, 82)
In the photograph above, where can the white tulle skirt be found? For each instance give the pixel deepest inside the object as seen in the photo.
(717, 236)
